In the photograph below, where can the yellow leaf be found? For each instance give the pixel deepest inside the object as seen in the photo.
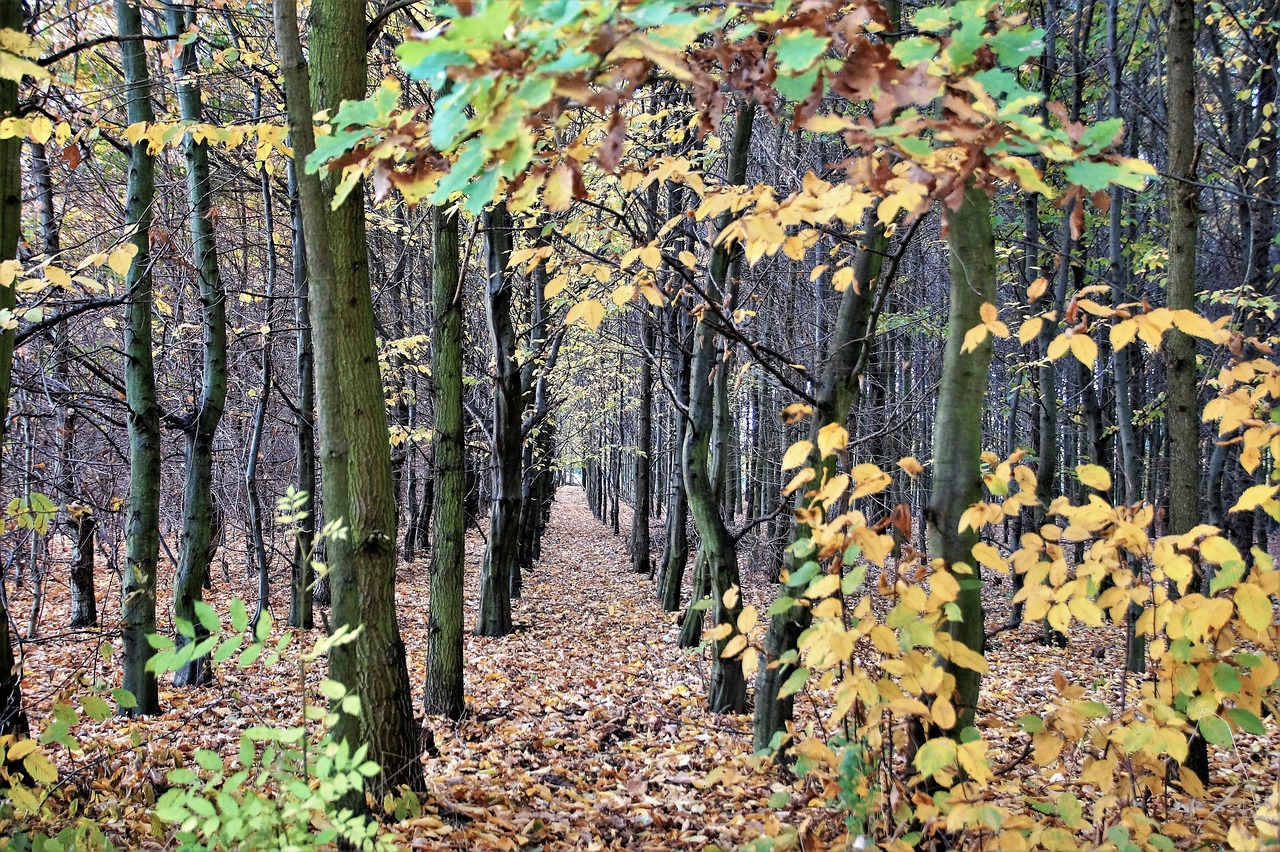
(748, 619)
(731, 597)
(39, 129)
(831, 438)
(1058, 347)
(798, 480)
(944, 715)
(946, 588)
(1218, 550)
(58, 277)
(1254, 497)
(121, 258)
(823, 586)
(1254, 606)
(689, 259)
(652, 295)
(796, 454)
(911, 466)
(20, 749)
(1123, 333)
(1029, 330)
(988, 556)
(1085, 611)
(650, 256)
(40, 768)
(973, 338)
(735, 646)
(1085, 350)
(555, 285)
(842, 279)
(591, 312)
(1036, 290)
(1046, 748)
(1094, 476)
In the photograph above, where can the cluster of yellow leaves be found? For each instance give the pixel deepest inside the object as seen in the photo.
(1129, 322)
(1205, 610)
(266, 137)
(46, 274)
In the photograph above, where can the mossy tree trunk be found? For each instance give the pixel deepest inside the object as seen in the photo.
(13, 719)
(957, 432)
(142, 530)
(350, 406)
(728, 690)
(197, 543)
(500, 554)
(444, 684)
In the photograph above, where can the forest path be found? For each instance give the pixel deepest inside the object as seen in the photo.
(586, 727)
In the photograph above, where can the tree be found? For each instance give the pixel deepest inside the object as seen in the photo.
(197, 545)
(142, 535)
(444, 684)
(355, 453)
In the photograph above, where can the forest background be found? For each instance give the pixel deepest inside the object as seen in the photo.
(930, 347)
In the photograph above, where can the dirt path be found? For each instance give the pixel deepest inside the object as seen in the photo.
(586, 727)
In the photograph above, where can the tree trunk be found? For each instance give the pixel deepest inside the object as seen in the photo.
(355, 453)
(1182, 412)
(640, 561)
(197, 545)
(444, 684)
(728, 689)
(957, 432)
(504, 519)
(142, 532)
(13, 719)
(302, 575)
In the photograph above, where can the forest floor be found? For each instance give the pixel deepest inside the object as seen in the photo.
(585, 728)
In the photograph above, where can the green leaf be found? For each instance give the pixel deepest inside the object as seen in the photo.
(159, 642)
(1226, 678)
(185, 628)
(794, 682)
(931, 19)
(1215, 730)
(1070, 811)
(801, 577)
(239, 615)
(96, 707)
(781, 605)
(208, 760)
(263, 629)
(182, 777)
(207, 616)
(797, 50)
(124, 698)
(935, 755)
(332, 690)
(1031, 723)
(228, 649)
(916, 49)
(1227, 575)
(1247, 721)
(797, 87)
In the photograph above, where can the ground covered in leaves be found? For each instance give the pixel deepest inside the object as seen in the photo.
(586, 727)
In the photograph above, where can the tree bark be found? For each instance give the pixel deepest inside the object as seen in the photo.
(444, 684)
(142, 531)
(351, 410)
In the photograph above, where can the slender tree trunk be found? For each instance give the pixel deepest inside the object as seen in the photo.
(356, 456)
(256, 521)
(444, 684)
(640, 560)
(838, 391)
(302, 575)
(675, 554)
(957, 432)
(504, 519)
(142, 532)
(13, 719)
(1182, 410)
(728, 691)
